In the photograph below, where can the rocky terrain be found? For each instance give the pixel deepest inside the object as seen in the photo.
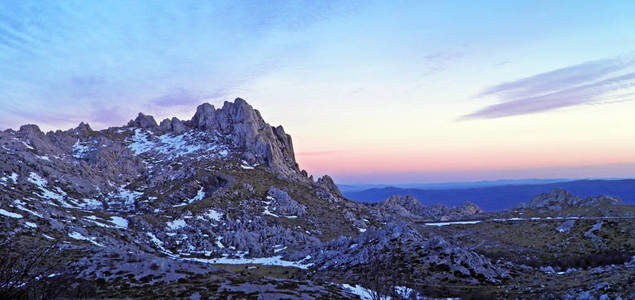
(217, 207)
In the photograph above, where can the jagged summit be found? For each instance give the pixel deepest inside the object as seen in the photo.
(245, 128)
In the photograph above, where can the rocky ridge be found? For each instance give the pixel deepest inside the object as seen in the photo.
(409, 207)
(220, 189)
(559, 200)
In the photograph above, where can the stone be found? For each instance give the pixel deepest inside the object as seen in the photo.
(559, 199)
(246, 128)
(143, 121)
(327, 183)
(409, 206)
(566, 226)
(283, 203)
(173, 125)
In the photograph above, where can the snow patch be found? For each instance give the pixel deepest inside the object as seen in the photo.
(199, 196)
(176, 224)
(214, 215)
(173, 145)
(119, 222)
(30, 224)
(246, 166)
(159, 243)
(218, 242)
(78, 236)
(14, 177)
(37, 180)
(20, 207)
(266, 261)
(27, 145)
(363, 293)
(452, 223)
(10, 214)
(80, 151)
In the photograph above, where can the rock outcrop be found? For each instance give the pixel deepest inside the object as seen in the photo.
(248, 130)
(409, 207)
(143, 121)
(431, 259)
(327, 183)
(283, 204)
(559, 199)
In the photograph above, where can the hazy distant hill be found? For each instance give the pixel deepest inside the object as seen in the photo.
(500, 197)
(449, 185)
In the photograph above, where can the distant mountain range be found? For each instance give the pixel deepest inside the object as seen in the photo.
(493, 195)
(450, 185)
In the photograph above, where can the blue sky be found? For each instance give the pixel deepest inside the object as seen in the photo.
(432, 90)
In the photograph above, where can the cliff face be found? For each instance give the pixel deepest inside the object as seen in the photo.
(248, 130)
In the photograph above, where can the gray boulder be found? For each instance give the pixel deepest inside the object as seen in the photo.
(283, 203)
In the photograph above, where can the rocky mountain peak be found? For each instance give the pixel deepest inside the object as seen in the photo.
(327, 183)
(144, 121)
(249, 131)
(83, 128)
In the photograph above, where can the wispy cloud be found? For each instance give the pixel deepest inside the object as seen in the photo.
(585, 83)
(65, 56)
(178, 97)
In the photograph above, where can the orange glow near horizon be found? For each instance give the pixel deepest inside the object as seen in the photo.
(437, 160)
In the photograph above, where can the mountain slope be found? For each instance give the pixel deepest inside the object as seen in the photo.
(217, 207)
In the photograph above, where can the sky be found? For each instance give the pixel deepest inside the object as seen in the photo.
(382, 92)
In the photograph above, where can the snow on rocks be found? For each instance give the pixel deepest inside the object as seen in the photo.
(176, 224)
(14, 177)
(80, 237)
(59, 195)
(245, 165)
(80, 150)
(214, 215)
(19, 205)
(219, 244)
(159, 243)
(199, 196)
(5, 179)
(10, 214)
(266, 261)
(172, 146)
(283, 203)
(358, 290)
(30, 224)
(126, 198)
(452, 223)
(566, 226)
(119, 222)
(37, 180)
